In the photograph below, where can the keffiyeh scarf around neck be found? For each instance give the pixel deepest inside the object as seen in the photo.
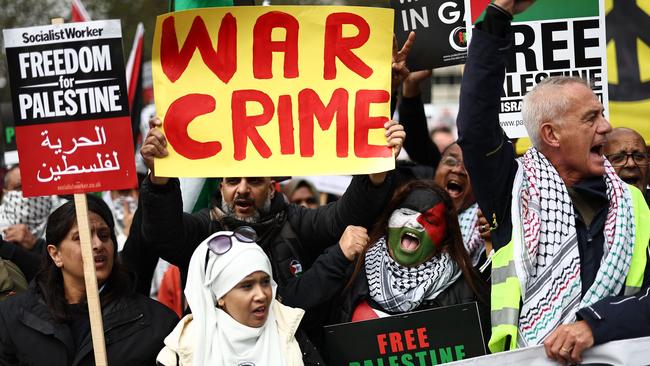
(546, 256)
(399, 289)
(468, 222)
(31, 211)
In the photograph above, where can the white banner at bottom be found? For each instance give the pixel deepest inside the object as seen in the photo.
(629, 352)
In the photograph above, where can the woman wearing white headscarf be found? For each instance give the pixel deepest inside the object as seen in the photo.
(235, 318)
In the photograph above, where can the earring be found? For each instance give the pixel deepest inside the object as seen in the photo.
(58, 264)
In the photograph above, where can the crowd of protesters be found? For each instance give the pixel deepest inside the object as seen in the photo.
(552, 245)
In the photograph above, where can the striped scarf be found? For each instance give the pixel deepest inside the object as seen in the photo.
(468, 222)
(546, 254)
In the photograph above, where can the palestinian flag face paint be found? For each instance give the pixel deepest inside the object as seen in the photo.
(414, 235)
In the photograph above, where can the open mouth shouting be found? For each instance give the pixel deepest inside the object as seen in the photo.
(244, 205)
(596, 151)
(260, 313)
(455, 186)
(410, 242)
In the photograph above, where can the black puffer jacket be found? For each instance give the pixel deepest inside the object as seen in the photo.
(134, 329)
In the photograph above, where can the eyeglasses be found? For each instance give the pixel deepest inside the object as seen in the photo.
(221, 244)
(451, 161)
(620, 159)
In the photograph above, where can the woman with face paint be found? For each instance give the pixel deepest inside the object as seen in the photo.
(417, 260)
(235, 318)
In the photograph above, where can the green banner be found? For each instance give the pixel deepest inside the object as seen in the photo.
(178, 5)
(555, 9)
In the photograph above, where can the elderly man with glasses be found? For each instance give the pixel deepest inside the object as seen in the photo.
(626, 151)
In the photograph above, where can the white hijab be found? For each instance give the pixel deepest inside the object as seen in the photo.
(222, 341)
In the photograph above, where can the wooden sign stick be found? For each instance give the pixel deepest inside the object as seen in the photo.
(90, 278)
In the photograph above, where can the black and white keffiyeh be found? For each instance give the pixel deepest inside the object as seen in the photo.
(546, 255)
(400, 289)
(468, 222)
(31, 211)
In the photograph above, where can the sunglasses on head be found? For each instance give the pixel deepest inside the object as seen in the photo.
(221, 244)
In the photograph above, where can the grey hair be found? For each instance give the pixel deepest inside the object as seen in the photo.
(546, 103)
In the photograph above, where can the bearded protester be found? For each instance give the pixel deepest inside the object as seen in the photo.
(235, 318)
(292, 236)
(570, 236)
(626, 151)
(416, 261)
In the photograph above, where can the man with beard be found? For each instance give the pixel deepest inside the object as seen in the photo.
(292, 236)
(569, 235)
(626, 151)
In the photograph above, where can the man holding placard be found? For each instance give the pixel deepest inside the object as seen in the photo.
(238, 112)
(569, 235)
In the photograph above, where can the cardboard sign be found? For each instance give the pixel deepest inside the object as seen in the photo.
(273, 91)
(551, 38)
(73, 129)
(428, 337)
(439, 26)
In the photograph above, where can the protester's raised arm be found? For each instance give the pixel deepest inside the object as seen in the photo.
(419, 146)
(395, 136)
(154, 146)
(488, 155)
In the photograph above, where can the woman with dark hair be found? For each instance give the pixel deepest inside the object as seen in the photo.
(416, 261)
(51, 317)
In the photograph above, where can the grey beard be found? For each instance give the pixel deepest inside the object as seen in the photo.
(229, 210)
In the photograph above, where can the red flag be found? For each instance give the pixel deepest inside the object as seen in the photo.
(134, 64)
(79, 13)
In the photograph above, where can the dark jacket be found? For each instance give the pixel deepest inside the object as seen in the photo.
(490, 160)
(292, 236)
(134, 329)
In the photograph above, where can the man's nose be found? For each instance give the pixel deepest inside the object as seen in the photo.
(604, 127)
(243, 186)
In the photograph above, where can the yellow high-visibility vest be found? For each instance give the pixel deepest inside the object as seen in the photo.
(506, 289)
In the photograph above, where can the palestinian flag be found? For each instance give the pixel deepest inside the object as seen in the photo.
(543, 10)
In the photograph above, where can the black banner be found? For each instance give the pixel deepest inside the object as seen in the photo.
(61, 82)
(428, 337)
(440, 36)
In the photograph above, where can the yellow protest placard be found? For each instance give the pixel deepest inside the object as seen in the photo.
(270, 91)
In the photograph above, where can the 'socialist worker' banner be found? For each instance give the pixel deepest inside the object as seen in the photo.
(419, 338)
(551, 38)
(268, 91)
(73, 128)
